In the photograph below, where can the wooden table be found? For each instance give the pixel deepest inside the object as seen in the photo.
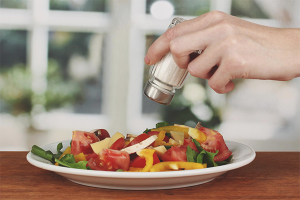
(272, 175)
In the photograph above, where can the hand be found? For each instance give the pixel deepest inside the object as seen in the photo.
(232, 48)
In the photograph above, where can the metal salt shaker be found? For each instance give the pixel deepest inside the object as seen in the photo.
(166, 76)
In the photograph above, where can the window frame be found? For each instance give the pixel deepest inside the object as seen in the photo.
(124, 115)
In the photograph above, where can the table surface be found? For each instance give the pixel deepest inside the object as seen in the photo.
(272, 175)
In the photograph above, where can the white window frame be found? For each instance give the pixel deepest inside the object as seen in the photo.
(127, 26)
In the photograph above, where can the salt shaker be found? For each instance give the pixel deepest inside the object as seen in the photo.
(166, 76)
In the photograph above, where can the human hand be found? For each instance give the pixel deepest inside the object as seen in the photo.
(232, 48)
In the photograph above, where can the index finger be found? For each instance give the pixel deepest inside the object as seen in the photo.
(162, 45)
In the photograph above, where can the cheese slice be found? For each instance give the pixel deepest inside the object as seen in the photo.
(160, 150)
(174, 142)
(177, 136)
(139, 146)
(115, 137)
(98, 146)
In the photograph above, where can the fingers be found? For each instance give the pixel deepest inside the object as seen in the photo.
(208, 33)
(202, 66)
(162, 45)
(182, 46)
(214, 65)
(220, 82)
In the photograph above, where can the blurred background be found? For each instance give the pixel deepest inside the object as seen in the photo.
(78, 65)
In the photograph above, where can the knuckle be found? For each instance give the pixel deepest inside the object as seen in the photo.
(216, 15)
(236, 66)
(231, 43)
(174, 47)
(245, 74)
(171, 33)
(226, 27)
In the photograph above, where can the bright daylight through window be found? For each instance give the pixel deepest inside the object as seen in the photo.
(78, 65)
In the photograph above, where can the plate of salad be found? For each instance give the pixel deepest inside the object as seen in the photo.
(164, 157)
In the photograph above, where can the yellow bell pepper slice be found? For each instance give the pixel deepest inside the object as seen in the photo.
(159, 141)
(148, 155)
(79, 157)
(161, 135)
(176, 165)
(183, 129)
(197, 135)
(67, 151)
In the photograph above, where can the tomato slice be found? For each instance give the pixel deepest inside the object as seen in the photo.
(102, 134)
(138, 139)
(110, 160)
(118, 144)
(81, 142)
(93, 155)
(175, 153)
(214, 142)
(189, 142)
(150, 133)
(141, 162)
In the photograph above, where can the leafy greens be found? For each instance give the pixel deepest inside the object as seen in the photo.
(203, 156)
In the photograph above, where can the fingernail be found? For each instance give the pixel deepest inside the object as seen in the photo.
(147, 60)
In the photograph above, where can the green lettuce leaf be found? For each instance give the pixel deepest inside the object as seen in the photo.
(224, 162)
(162, 124)
(68, 158)
(42, 153)
(48, 155)
(191, 155)
(198, 145)
(59, 152)
(205, 156)
(69, 161)
(147, 130)
(79, 165)
(158, 125)
(168, 146)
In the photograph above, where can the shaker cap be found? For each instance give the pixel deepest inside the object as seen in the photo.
(157, 95)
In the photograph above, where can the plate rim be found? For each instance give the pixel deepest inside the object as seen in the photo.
(139, 175)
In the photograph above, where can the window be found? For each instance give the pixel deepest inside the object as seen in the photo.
(17, 4)
(81, 5)
(83, 67)
(77, 58)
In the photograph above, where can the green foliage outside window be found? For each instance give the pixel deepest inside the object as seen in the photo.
(17, 96)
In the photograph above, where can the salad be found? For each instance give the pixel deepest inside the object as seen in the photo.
(164, 148)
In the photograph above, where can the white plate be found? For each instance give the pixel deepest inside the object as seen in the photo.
(242, 155)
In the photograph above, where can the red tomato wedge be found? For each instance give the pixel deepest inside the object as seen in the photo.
(141, 162)
(175, 153)
(81, 142)
(110, 160)
(189, 142)
(138, 139)
(118, 144)
(93, 155)
(214, 142)
(102, 134)
(150, 133)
